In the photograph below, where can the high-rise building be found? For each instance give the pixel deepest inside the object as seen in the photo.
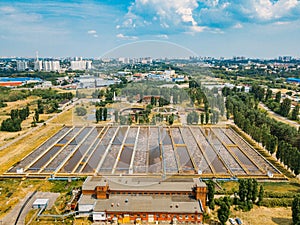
(51, 66)
(38, 65)
(81, 65)
(22, 65)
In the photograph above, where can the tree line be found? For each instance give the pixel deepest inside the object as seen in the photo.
(101, 114)
(13, 123)
(275, 136)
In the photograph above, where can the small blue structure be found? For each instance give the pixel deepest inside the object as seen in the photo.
(293, 80)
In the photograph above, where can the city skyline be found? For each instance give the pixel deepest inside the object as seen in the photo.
(217, 28)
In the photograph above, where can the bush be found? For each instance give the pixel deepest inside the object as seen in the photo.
(80, 111)
(276, 202)
(270, 194)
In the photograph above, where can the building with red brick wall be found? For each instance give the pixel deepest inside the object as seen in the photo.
(145, 200)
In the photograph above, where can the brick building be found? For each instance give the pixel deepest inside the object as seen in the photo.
(145, 200)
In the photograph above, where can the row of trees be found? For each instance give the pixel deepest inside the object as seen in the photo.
(205, 118)
(282, 108)
(248, 194)
(273, 135)
(101, 114)
(13, 123)
(151, 89)
(296, 210)
(161, 101)
(50, 100)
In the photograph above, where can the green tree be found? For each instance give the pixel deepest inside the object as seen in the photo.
(295, 112)
(11, 125)
(23, 114)
(249, 189)
(260, 195)
(36, 117)
(116, 113)
(223, 213)
(296, 210)
(27, 110)
(97, 115)
(14, 114)
(285, 107)
(193, 118)
(254, 190)
(100, 114)
(211, 194)
(206, 117)
(242, 190)
(171, 119)
(105, 114)
(278, 97)
(153, 100)
(202, 118)
(268, 94)
(40, 107)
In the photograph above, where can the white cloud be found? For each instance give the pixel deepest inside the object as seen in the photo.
(193, 16)
(267, 10)
(282, 23)
(162, 36)
(166, 13)
(197, 29)
(238, 26)
(92, 32)
(7, 9)
(125, 37)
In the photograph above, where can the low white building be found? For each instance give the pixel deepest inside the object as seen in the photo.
(40, 203)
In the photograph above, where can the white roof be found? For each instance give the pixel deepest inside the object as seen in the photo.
(41, 201)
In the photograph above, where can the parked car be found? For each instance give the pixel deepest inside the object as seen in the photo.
(232, 221)
(238, 221)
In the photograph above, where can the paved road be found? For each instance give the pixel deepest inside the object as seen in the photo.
(279, 117)
(11, 217)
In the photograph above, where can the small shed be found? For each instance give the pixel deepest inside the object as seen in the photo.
(40, 203)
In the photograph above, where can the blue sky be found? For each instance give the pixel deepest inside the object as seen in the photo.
(89, 28)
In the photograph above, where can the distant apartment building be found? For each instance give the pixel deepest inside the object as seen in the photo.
(285, 58)
(22, 65)
(81, 65)
(38, 65)
(49, 66)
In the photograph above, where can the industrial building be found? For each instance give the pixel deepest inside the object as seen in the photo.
(143, 199)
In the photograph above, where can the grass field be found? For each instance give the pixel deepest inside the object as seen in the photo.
(282, 187)
(266, 216)
(13, 190)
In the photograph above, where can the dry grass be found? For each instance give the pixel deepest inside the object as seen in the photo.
(79, 120)
(18, 150)
(13, 191)
(263, 215)
(17, 104)
(64, 118)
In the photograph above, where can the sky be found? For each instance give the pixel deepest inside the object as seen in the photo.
(92, 28)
